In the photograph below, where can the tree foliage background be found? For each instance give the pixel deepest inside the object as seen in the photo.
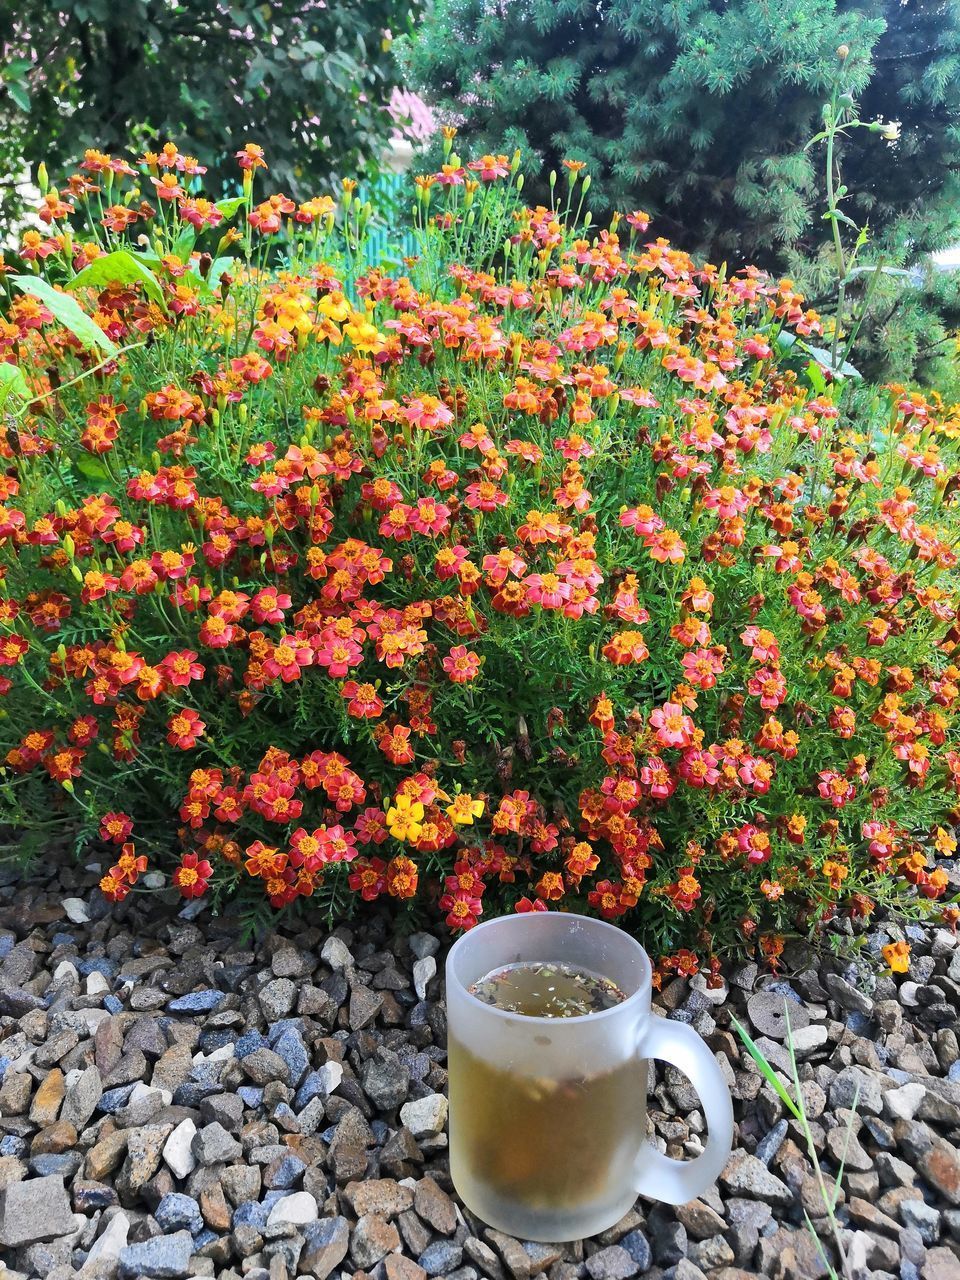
(307, 80)
(698, 110)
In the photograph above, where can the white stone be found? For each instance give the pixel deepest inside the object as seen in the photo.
(155, 880)
(902, 1103)
(806, 1039)
(425, 1117)
(76, 910)
(87, 1019)
(423, 971)
(330, 1075)
(97, 985)
(298, 1210)
(142, 1090)
(178, 1152)
(25, 1060)
(223, 1054)
(336, 953)
(106, 1248)
(66, 972)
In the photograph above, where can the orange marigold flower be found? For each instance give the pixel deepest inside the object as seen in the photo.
(897, 956)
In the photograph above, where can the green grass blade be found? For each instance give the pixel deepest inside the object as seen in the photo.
(846, 1146)
(766, 1070)
(831, 1274)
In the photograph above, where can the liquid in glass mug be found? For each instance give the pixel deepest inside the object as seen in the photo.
(548, 1131)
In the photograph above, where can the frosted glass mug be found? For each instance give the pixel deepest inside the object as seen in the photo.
(548, 1115)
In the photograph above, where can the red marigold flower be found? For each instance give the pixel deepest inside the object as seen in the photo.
(12, 649)
(835, 788)
(64, 765)
(167, 187)
(461, 664)
(485, 496)
(463, 907)
(367, 878)
(83, 731)
(251, 156)
(625, 647)
(605, 897)
(116, 827)
(336, 654)
(288, 658)
(674, 728)
(129, 865)
(192, 876)
(184, 728)
(180, 666)
(363, 701)
(490, 167)
(114, 890)
(402, 877)
(754, 842)
(769, 686)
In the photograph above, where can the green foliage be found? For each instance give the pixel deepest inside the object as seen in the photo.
(307, 80)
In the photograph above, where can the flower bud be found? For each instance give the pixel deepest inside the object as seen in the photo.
(843, 52)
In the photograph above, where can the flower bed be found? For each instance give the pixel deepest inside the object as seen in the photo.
(534, 572)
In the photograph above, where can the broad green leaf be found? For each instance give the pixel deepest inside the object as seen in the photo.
(824, 358)
(19, 95)
(183, 245)
(220, 265)
(766, 1070)
(120, 267)
(191, 278)
(229, 207)
(90, 466)
(12, 383)
(817, 380)
(66, 311)
(785, 339)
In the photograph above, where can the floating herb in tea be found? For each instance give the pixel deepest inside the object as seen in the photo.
(547, 989)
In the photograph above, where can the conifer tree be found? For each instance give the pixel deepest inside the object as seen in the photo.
(698, 110)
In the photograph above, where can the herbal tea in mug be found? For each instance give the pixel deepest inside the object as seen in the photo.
(549, 1032)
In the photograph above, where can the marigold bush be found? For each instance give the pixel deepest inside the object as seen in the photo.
(530, 573)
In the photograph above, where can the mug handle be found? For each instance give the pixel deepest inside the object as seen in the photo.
(660, 1177)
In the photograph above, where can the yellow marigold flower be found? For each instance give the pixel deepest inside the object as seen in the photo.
(464, 809)
(944, 842)
(835, 872)
(897, 956)
(363, 335)
(335, 306)
(405, 818)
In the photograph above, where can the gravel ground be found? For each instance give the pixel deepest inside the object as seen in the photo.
(175, 1104)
